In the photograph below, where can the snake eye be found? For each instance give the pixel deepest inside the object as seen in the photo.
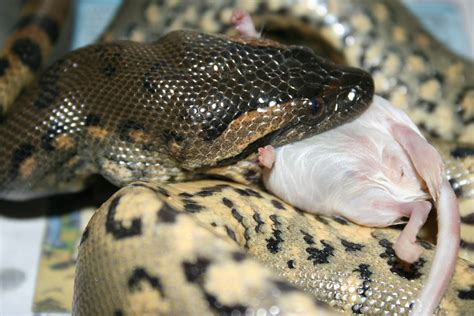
(315, 106)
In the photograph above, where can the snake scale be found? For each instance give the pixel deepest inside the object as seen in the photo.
(163, 240)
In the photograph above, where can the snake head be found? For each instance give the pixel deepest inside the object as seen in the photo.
(234, 95)
(345, 94)
(325, 95)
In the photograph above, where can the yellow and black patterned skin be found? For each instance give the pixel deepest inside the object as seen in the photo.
(29, 45)
(192, 247)
(166, 249)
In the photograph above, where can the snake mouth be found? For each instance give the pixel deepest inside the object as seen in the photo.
(345, 98)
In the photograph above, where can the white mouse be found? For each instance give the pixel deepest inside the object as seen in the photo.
(375, 171)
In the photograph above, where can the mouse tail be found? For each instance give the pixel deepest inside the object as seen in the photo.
(447, 248)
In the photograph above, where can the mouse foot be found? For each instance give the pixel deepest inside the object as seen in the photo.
(405, 246)
(243, 23)
(266, 156)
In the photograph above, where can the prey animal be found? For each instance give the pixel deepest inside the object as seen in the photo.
(375, 171)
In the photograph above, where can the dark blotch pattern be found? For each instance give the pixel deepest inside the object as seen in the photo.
(320, 219)
(48, 86)
(237, 215)
(185, 195)
(240, 219)
(2, 113)
(308, 239)
(428, 106)
(283, 286)
(258, 219)
(365, 275)
(351, 246)
(467, 245)
(364, 271)
(48, 138)
(341, 220)
(466, 117)
(238, 256)
(468, 219)
(223, 309)
(248, 193)
(357, 308)
(291, 264)
(22, 153)
(274, 242)
(318, 256)
(210, 191)
(278, 204)
(149, 83)
(252, 176)
(45, 23)
(227, 202)
(128, 126)
(192, 206)
(29, 53)
(116, 228)
(462, 152)
(466, 294)
(194, 271)
(140, 275)
(230, 233)
(167, 214)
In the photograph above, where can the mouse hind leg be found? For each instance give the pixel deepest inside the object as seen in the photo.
(377, 208)
(405, 246)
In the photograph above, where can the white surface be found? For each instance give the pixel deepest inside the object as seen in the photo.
(20, 243)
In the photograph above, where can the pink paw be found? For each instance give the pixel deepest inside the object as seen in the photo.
(407, 250)
(243, 23)
(405, 247)
(266, 156)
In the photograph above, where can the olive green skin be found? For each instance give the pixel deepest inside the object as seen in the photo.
(159, 111)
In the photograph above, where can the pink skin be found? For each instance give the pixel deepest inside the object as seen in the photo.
(266, 156)
(427, 161)
(243, 23)
(371, 206)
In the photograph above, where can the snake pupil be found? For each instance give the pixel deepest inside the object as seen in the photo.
(314, 106)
